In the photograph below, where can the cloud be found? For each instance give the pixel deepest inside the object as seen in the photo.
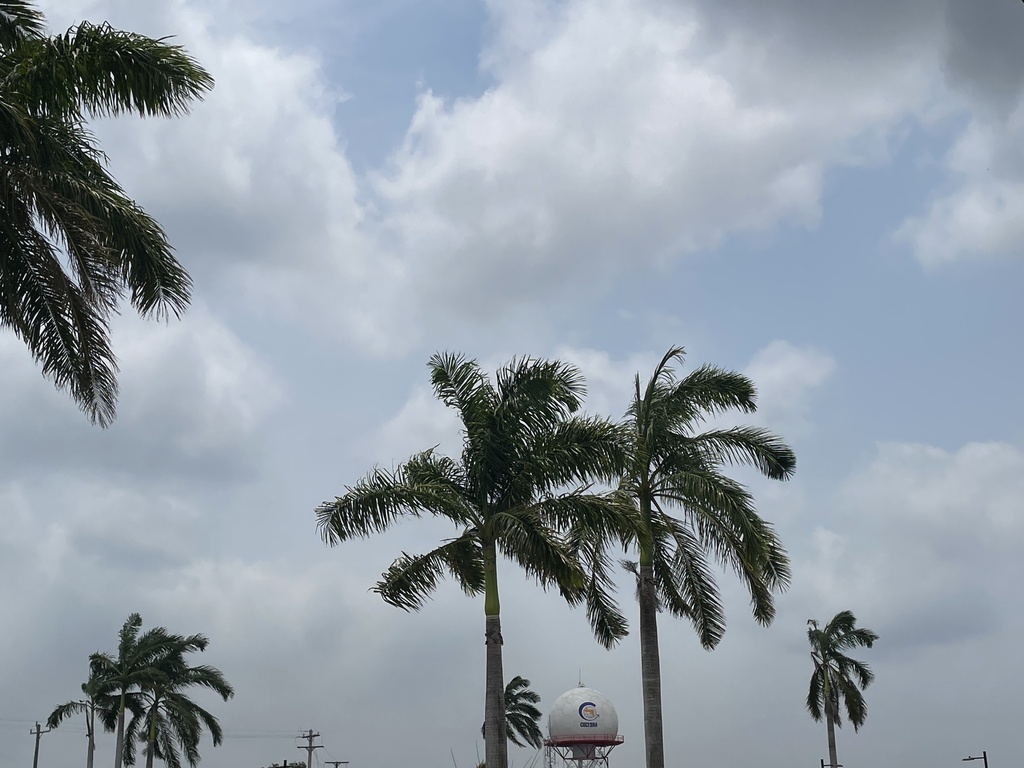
(786, 377)
(981, 215)
(617, 136)
(925, 539)
(192, 395)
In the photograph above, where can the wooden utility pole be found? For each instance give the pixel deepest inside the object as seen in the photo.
(310, 746)
(335, 763)
(38, 732)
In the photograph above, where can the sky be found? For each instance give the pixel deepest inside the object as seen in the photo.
(826, 196)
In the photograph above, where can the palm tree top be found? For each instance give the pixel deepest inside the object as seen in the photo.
(836, 675)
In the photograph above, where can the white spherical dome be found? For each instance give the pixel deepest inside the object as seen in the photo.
(581, 714)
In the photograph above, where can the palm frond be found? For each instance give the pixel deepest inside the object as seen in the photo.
(64, 711)
(685, 584)
(20, 21)
(749, 446)
(106, 71)
(411, 579)
(524, 538)
(381, 498)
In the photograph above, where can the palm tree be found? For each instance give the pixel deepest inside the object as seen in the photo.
(166, 714)
(521, 714)
(138, 665)
(98, 700)
(836, 676)
(72, 243)
(675, 468)
(519, 490)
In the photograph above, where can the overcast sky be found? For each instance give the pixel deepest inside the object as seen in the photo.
(828, 196)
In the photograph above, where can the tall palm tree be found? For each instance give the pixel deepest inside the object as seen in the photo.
(521, 714)
(691, 514)
(98, 700)
(520, 490)
(836, 676)
(72, 242)
(167, 718)
(139, 664)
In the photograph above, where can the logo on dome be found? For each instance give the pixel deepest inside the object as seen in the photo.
(588, 711)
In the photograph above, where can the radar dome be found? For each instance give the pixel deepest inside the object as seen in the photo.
(583, 715)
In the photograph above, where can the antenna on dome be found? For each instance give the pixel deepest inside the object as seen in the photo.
(580, 684)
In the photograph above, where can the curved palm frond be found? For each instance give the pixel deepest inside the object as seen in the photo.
(521, 715)
(412, 579)
(426, 484)
(19, 22)
(72, 243)
(106, 72)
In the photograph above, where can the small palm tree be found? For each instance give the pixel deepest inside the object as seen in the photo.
(691, 513)
(520, 489)
(521, 714)
(166, 718)
(98, 700)
(72, 242)
(837, 676)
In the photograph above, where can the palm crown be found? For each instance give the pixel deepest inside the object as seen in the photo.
(521, 714)
(838, 677)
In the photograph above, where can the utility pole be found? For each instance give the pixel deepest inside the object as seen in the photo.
(335, 763)
(38, 733)
(310, 746)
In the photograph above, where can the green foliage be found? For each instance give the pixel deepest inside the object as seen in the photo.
(692, 514)
(521, 714)
(838, 677)
(520, 487)
(148, 678)
(72, 242)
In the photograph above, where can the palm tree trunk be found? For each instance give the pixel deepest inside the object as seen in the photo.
(151, 738)
(119, 744)
(90, 727)
(495, 742)
(831, 726)
(650, 668)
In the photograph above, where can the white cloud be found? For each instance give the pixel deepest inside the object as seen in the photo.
(786, 377)
(927, 540)
(422, 422)
(982, 215)
(616, 136)
(192, 396)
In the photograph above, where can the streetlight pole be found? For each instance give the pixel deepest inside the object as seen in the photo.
(984, 756)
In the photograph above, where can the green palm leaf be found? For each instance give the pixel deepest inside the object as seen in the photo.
(72, 243)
